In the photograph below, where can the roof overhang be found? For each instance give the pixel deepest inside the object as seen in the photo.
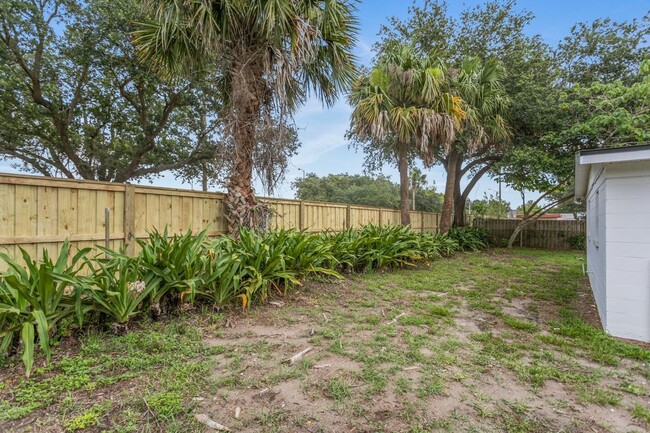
(586, 158)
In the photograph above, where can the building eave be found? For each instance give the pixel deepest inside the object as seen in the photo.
(586, 158)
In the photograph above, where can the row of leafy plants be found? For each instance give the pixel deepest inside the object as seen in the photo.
(108, 288)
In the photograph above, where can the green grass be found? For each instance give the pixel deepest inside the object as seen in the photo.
(460, 334)
(642, 413)
(338, 389)
(159, 366)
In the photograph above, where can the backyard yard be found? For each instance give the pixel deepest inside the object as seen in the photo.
(482, 342)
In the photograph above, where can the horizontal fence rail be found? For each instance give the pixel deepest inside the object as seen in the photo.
(548, 234)
(40, 213)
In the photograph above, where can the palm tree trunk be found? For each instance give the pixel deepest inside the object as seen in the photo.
(448, 204)
(460, 200)
(240, 200)
(402, 166)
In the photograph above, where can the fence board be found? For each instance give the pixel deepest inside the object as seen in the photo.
(38, 212)
(548, 234)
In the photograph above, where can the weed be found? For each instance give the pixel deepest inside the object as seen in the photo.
(429, 385)
(599, 396)
(338, 389)
(520, 324)
(633, 388)
(641, 413)
(87, 419)
(165, 404)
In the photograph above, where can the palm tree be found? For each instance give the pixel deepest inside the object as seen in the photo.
(480, 87)
(269, 54)
(418, 179)
(402, 105)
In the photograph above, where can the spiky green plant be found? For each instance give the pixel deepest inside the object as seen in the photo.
(35, 298)
(180, 261)
(118, 286)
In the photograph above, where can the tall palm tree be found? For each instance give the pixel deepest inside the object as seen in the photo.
(418, 179)
(479, 85)
(269, 54)
(403, 104)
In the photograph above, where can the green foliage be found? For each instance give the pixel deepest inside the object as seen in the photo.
(178, 261)
(84, 117)
(531, 207)
(35, 299)
(166, 404)
(346, 188)
(604, 113)
(490, 207)
(602, 347)
(364, 190)
(578, 242)
(119, 287)
(190, 268)
(470, 238)
(641, 413)
(404, 109)
(266, 67)
(604, 50)
(378, 247)
(87, 419)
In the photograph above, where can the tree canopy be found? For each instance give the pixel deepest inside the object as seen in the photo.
(364, 190)
(75, 101)
(403, 107)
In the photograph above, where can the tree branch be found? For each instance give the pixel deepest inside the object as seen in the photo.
(472, 183)
(486, 159)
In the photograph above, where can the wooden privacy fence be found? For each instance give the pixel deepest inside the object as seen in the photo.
(39, 213)
(549, 234)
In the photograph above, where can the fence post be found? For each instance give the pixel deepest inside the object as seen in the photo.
(129, 219)
(381, 217)
(348, 215)
(301, 216)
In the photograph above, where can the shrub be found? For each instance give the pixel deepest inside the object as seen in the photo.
(378, 247)
(470, 238)
(578, 242)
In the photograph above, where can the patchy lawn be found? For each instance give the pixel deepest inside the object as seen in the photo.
(484, 342)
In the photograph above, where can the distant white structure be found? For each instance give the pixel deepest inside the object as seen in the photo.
(615, 183)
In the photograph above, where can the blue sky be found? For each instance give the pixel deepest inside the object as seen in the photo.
(322, 130)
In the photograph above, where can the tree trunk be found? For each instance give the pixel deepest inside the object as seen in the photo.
(514, 234)
(240, 203)
(202, 136)
(402, 166)
(448, 205)
(204, 176)
(460, 199)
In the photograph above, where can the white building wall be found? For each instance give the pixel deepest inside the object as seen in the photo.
(628, 250)
(596, 238)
